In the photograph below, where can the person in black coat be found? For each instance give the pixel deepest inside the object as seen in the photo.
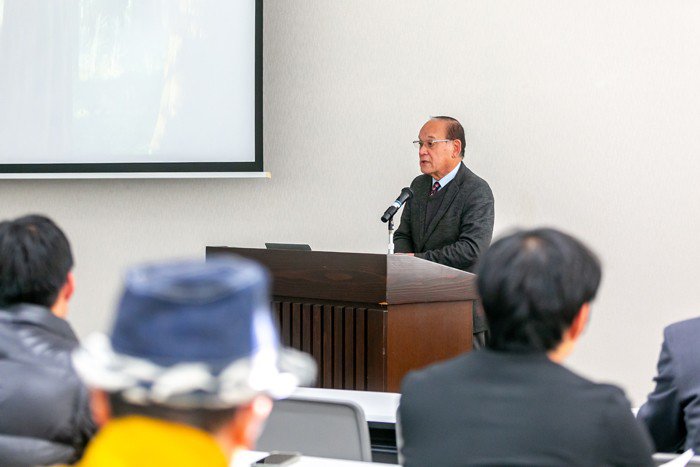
(449, 220)
(514, 403)
(44, 406)
(672, 411)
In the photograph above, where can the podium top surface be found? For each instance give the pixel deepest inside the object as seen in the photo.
(358, 277)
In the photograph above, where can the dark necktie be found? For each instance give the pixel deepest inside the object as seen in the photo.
(434, 189)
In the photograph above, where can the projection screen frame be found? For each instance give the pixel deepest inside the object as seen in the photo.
(160, 170)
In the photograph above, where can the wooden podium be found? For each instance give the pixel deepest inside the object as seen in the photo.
(367, 319)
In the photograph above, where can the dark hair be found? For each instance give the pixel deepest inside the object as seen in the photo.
(455, 130)
(209, 420)
(532, 285)
(35, 259)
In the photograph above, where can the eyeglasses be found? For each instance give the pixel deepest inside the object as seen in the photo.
(430, 143)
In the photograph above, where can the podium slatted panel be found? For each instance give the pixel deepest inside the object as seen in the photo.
(306, 336)
(339, 339)
(349, 354)
(317, 337)
(296, 325)
(277, 315)
(338, 347)
(286, 324)
(325, 379)
(360, 351)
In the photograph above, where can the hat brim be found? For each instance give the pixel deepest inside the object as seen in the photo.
(273, 372)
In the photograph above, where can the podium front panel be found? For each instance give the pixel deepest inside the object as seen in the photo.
(367, 319)
(346, 341)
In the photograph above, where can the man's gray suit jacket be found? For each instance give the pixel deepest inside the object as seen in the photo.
(461, 229)
(672, 411)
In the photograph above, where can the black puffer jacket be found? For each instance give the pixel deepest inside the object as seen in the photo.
(44, 412)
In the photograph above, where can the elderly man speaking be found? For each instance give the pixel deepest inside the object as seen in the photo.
(449, 220)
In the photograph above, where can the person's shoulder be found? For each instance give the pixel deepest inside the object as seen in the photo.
(612, 395)
(614, 407)
(422, 180)
(436, 370)
(471, 176)
(589, 400)
(438, 373)
(37, 334)
(474, 182)
(604, 393)
(681, 329)
(682, 346)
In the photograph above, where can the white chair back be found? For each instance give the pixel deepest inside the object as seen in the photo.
(321, 428)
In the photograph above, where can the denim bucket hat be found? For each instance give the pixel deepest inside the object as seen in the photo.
(194, 334)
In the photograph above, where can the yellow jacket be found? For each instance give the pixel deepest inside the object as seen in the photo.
(136, 441)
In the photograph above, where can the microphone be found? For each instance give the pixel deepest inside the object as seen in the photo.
(405, 195)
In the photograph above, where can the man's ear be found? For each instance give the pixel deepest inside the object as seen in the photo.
(247, 424)
(457, 148)
(69, 287)
(99, 404)
(60, 306)
(578, 325)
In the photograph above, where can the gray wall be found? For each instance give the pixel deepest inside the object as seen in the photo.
(581, 115)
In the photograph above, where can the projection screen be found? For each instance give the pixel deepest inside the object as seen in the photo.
(103, 88)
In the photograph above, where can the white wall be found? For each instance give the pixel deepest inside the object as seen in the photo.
(581, 115)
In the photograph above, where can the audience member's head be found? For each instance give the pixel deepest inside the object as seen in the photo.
(35, 264)
(193, 343)
(536, 286)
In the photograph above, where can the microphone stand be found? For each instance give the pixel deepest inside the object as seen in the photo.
(405, 195)
(390, 224)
